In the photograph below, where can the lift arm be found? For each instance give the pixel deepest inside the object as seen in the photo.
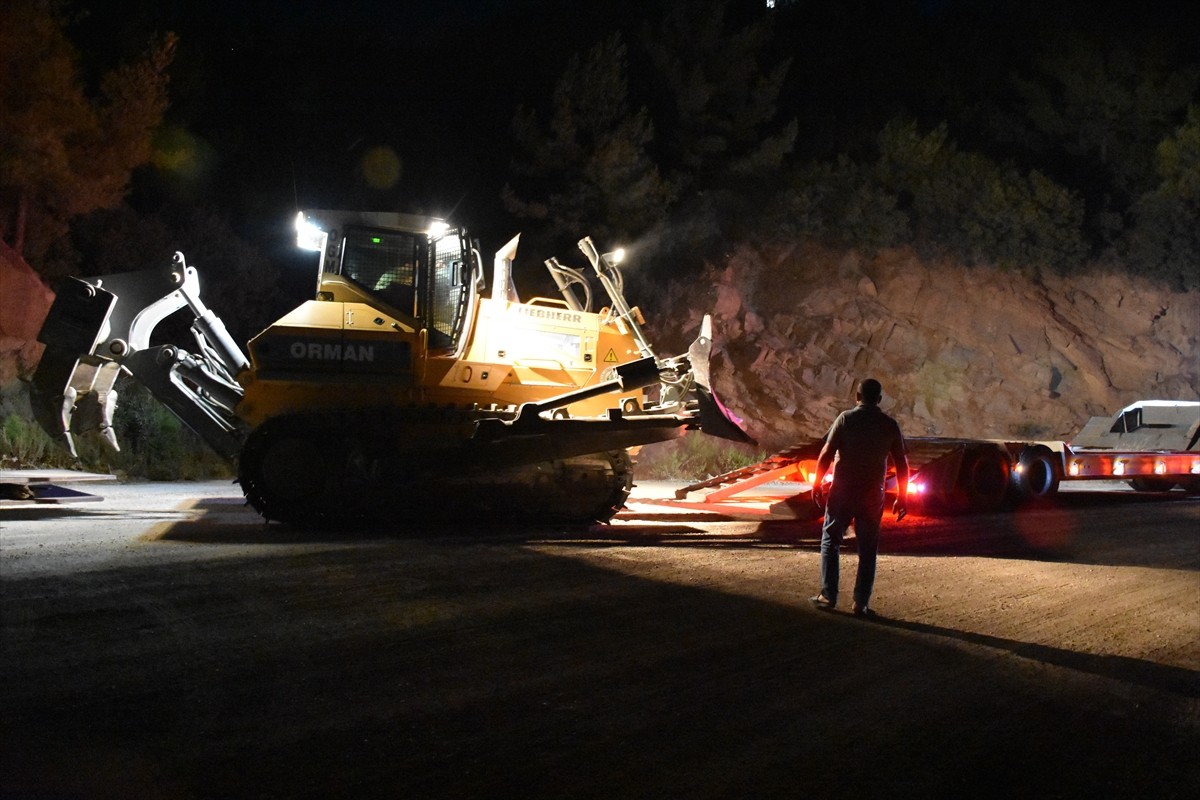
(98, 328)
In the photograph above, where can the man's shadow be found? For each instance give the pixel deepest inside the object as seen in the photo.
(1177, 680)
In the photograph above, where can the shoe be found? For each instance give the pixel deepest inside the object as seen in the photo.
(863, 611)
(822, 602)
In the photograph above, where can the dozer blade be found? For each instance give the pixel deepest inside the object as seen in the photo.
(715, 418)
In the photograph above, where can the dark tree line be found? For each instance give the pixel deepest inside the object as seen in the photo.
(1060, 135)
(1064, 140)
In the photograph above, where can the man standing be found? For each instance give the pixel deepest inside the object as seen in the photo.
(862, 439)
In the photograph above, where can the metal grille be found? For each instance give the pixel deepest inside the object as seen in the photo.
(448, 295)
(386, 263)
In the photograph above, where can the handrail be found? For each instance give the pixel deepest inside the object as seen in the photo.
(532, 362)
(548, 301)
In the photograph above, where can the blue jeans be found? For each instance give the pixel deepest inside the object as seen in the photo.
(863, 507)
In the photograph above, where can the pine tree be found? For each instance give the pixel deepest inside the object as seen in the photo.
(588, 171)
(64, 152)
(720, 97)
(1165, 242)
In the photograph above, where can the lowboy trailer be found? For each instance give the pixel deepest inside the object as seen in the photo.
(1152, 445)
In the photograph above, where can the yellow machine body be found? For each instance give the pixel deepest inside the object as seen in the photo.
(354, 351)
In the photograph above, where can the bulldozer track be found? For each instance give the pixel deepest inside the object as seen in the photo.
(337, 469)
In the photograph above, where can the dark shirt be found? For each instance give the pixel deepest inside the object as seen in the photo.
(863, 438)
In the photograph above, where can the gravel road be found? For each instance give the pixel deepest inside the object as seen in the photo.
(166, 643)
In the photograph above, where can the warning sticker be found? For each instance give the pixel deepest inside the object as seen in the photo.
(610, 357)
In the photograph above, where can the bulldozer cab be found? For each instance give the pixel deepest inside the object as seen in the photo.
(386, 264)
(419, 267)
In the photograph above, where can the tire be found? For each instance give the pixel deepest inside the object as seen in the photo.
(984, 479)
(1142, 484)
(1039, 475)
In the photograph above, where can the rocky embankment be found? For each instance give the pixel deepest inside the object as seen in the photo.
(24, 301)
(960, 351)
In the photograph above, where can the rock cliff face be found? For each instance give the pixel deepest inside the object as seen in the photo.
(960, 351)
(24, 301)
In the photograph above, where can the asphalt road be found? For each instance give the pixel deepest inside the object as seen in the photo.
(166, 643)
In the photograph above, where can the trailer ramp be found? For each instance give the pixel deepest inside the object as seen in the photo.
(778, 479)
(27, 487)
(780, 486)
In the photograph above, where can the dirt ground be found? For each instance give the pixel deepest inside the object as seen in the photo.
(160, 647)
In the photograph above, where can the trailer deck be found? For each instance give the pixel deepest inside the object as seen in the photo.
(1153, 445)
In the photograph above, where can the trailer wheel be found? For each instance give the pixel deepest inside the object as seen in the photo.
(1141, 484)
(1038, 476)
(984, 479)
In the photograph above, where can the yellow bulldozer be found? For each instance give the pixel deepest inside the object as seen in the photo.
(403, 389)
